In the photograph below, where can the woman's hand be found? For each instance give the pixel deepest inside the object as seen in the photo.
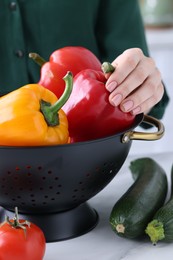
(136, 83)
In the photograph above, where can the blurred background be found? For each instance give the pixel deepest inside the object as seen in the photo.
(158, 20)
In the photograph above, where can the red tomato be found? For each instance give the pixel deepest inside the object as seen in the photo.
(17, 244)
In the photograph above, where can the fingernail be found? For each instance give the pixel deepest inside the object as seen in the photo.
(116, 100)
(111, 86)
(128, 105)
(136, 110)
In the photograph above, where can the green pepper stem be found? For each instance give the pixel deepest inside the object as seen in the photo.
(37, 58)
(49, 111)
(107, 67)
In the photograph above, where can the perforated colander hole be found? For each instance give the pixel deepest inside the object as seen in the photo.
(17, 198)
(75, 190)
(50, 187)
(29, 174)
(43, 178)
(56, 178)
(49, 172)
(32, 195)
(8, 172)
(110, 166)
(74, 198)
(81, 182)
(39, 168)
(2, 186)
(58, 193)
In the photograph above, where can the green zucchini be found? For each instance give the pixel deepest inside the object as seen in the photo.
(161, 227)
(132, 212)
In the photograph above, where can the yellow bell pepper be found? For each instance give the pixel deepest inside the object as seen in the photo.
(28, 118)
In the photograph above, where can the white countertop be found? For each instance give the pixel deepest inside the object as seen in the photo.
(102, 243)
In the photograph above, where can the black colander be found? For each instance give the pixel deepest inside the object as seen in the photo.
(51, 185)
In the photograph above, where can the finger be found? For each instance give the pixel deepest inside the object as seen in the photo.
(139, 101)
(134, 80)
(146, 106)
(124, 64)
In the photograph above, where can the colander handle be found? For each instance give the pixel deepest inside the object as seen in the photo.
(134, 135)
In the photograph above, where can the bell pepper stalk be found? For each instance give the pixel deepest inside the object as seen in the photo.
(32, 116)
(69, 58)
(50, 111)
(37, 58)
(107, 67)
(89, 112)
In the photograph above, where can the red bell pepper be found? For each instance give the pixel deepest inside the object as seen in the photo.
(70, 58)
(89, 113)
(75, 59)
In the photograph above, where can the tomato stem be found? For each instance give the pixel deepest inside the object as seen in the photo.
(15, 222)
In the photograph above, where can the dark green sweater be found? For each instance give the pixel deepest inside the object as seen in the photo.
(106, 27)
